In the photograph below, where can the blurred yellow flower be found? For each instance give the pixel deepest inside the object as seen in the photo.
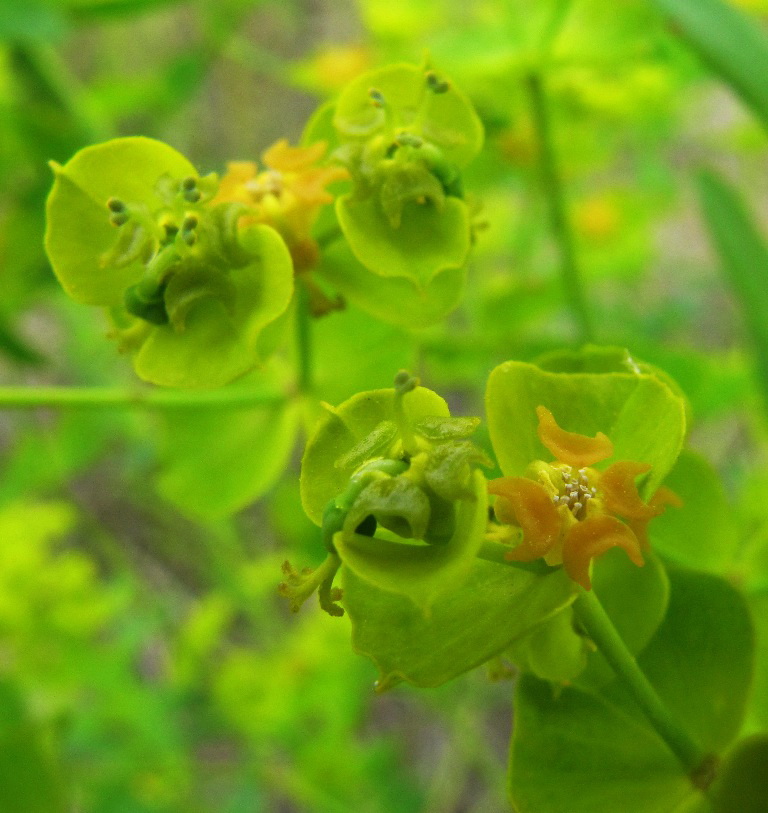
(286, 195)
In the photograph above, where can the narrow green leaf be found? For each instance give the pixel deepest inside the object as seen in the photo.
(744, 258)
(728, 41)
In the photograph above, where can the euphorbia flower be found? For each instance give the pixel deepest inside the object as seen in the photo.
(570, 512)
(287, 195)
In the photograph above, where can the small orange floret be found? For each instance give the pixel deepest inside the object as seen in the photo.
(617, 483)
(570, 447)
(592, 538)
(526, 503)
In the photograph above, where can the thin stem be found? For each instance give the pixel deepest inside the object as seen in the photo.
(303, 337)
(106, 397)
(496, 552)
(591, 615)
(561, 227)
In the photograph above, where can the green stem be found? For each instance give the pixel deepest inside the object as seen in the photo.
(496, 552)
(303, 337)
(561, 227)
(106, 397)
(595, 621)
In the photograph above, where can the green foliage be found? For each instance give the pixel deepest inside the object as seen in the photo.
(572, 749)
(504, 605)
(147, 663)
(728, 41)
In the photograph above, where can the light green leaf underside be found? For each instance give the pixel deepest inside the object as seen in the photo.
(701, 533)
(466, 627)
(397, 300)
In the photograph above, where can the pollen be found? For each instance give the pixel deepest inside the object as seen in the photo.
(576, 492)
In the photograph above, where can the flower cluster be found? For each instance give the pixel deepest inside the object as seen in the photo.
(571, 512)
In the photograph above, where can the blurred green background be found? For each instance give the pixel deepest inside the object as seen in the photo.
(146, 661)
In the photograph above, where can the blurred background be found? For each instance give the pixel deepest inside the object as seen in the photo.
(147, 664)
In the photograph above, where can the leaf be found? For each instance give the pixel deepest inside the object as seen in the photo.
(421, 572)
(701, 659)
(466, 627)
(396, 300)
(744, 258)
(429, 239)
(78, 230)
(701, 533)
(728, 41)
(342, 428)
(217, 461)
(638, 412)
(742, 786)
(579, 751)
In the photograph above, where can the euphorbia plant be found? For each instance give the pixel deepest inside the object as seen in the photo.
(551, 563)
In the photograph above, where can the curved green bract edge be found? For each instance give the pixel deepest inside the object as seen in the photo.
(78, 230)
(640, 414)
(466, 627)
(421, 572)
(319, 127)
(217, 346)
(702, 533)
(448, 119)
(341, 428)
(427, 241)
(585, 752)
(395, 300)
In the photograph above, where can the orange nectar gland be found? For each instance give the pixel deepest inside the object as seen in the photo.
(571, 513)
(287, 195)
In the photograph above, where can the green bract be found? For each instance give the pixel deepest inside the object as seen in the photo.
(637, 410)
(194, 295)
(392, 479)
(404, 133)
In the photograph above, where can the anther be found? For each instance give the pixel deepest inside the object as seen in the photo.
(435, 84)
(115, 205)
(377, 98)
